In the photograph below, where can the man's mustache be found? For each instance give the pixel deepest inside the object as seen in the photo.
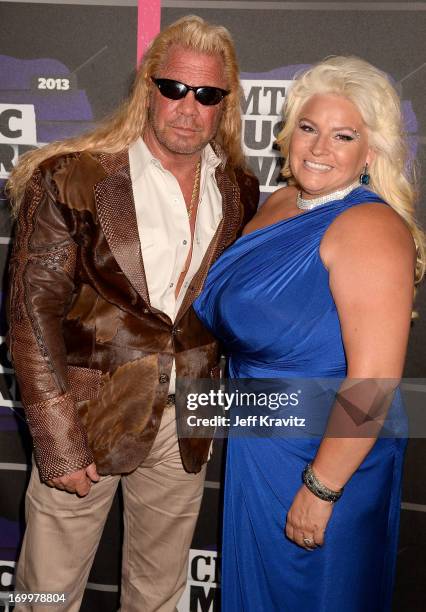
(185, 125)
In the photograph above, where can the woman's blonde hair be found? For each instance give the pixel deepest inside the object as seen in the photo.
(129, 121)
(370, 90)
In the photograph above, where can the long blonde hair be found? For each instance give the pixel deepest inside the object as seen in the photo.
(129, 121)
(369, 89)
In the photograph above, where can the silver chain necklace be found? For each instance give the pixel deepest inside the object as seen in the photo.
(305, 204)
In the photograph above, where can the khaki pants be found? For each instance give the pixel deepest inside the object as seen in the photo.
(161, 505)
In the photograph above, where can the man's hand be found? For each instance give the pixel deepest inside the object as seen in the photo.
(78, 482)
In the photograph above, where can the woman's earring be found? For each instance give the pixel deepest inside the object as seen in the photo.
(364, 177)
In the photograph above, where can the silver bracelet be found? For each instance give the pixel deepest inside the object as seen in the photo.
(317, 488)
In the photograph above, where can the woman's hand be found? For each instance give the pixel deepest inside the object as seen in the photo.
(307, 519)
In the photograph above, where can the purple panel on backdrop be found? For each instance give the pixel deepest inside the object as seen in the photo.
(10, 536)
(52, 105)
(9, 418)
(19, 73)
(19, 84)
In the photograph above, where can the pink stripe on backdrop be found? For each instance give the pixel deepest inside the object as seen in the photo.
(149, 12)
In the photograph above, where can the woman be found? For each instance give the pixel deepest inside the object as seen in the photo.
(321, 285)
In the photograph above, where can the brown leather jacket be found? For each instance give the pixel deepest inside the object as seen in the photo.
(92, 357)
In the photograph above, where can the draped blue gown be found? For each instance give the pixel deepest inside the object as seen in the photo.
(268, 300)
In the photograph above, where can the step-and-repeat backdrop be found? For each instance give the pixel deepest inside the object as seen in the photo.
(63, 66)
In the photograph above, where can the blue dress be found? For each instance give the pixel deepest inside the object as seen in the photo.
(268, 300)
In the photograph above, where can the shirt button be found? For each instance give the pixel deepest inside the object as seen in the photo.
(171, 285)
(185, 242)
(163, 378)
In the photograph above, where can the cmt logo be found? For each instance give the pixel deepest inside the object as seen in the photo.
(7, 569)
(262, 104)
(6, 584)
(17, 134)
(202, 593)
(17, 124)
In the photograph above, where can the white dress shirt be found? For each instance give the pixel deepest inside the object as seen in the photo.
(163, 225)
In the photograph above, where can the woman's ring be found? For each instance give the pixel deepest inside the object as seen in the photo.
(308, 541)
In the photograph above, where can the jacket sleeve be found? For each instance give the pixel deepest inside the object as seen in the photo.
(42, 270)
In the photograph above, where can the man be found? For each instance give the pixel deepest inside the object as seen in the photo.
(116, 232)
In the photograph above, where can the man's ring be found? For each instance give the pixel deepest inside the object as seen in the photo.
(308, 542)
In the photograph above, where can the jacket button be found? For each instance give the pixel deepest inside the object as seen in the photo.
(176, 330)
(163, 378)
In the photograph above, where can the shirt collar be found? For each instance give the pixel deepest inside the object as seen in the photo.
(140, 157)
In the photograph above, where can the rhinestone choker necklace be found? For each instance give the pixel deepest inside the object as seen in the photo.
(305, 204)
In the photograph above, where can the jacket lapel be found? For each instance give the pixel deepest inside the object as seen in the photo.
(117, 217)
(232, 215)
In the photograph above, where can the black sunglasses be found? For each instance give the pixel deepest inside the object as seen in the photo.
(175, 90)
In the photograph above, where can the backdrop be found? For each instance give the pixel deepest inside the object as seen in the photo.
(65, 65)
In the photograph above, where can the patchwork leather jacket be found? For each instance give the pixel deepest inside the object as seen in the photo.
(92, 357)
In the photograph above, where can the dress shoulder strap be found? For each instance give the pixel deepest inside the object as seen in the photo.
(361, 194)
